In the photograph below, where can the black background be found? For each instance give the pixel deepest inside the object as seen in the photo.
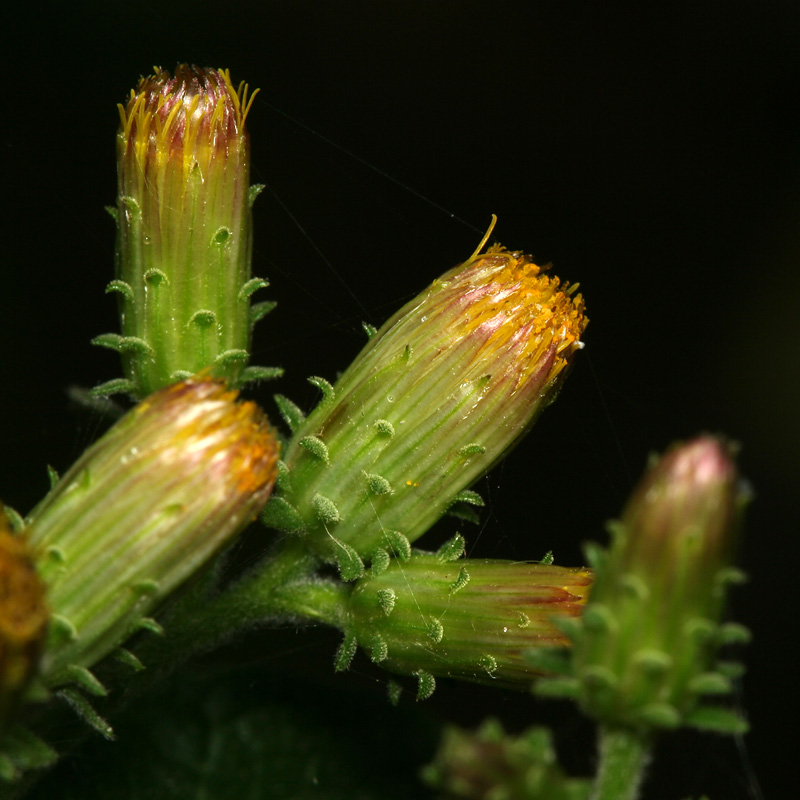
(649, 151)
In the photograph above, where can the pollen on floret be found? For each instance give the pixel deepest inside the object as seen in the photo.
(216, 422)
(520, 308)
(188, 115)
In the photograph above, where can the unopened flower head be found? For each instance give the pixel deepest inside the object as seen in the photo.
(145, 508)
(439, 394)
(681, 518)
(183, 220)
(23, 618)
(468, 618)
(651, 630)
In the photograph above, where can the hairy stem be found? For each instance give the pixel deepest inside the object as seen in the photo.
(624, 756)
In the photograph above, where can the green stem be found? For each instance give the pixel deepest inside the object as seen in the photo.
(624, 756)
(282, 587)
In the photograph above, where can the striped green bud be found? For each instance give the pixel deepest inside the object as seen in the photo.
(472, 619)
(141, 511)
(439, 394)
(183, 230)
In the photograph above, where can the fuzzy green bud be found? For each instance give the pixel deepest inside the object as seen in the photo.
(142, 510)
(183, 230)
(646, 649)
(439, 394)
(472, 619)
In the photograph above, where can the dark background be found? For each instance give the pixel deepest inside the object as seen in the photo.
(649, 151)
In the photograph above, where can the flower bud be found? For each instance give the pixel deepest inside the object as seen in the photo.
(142, 510)
(472, 619)
(438, 395)
(183, 230)
(646, 651)
(23, 618)
(489, 764)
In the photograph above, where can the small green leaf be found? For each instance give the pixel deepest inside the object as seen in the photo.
(461, 580)
(710, 683)
(426, 684)
(452, 549)
(250, 288)
(260, 310)
(345, 653)
(325, 510)
(379, 561)
(203, 318)
(149, 624)
(253, 192)
(83, 708)
(291, 413)
(120, 287)
(469, 497)
(378, 485)
(594, 554)
(52, 476)
(85, 679)
(658, 715)
(351, 567)
(222, 237)
(156, 277)
(15, 519)
(378, 649)
(716, 720)
(128, 659)
(386, 600)
(133, 344)
(435, 630)
(734, 633)
(234, 355)
(398, 544)
(281, 515)
(328, 392)
(384, 428)
(111, 341)
(256, 374)
(316, 447)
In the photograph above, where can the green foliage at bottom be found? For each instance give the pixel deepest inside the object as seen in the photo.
(249, 735)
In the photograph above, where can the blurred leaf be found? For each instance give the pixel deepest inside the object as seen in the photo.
(247, 736)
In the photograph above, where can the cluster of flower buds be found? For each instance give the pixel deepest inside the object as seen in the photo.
(645, 650)
(142, 510)
(438, 395)
(436, 614)
(184, 233)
